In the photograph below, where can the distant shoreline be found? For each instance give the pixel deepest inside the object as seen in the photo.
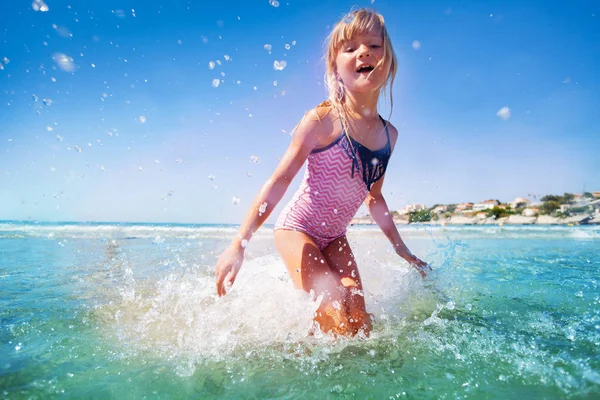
(543, 220)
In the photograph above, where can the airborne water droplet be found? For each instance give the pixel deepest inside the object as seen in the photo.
(262, 208)
(39, 5)
(279, 65)
(64, 62)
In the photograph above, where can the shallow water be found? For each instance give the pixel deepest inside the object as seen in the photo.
(114, 311)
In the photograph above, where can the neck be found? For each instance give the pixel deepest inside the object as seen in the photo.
(362, 106)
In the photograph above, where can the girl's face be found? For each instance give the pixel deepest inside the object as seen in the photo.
(357, 60)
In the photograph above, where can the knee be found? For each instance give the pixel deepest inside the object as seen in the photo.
(349, 282)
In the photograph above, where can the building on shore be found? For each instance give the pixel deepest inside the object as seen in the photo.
(485, 205)
(519, 202)
(464, 207)
(412, 207)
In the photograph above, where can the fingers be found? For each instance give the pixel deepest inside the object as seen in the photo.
(219, 281)
(224, 279)
(232, 276)
(421, 266)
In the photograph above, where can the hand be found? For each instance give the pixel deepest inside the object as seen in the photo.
(419, 264)
(227, 268)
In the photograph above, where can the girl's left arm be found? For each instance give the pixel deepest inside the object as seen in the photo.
(380, 212)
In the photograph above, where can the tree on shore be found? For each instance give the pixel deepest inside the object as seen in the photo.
(419, 216)
(549, 207)
(567, 198)
(499, 212)
(552, 202)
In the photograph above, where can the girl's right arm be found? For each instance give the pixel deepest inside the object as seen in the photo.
(311, 131)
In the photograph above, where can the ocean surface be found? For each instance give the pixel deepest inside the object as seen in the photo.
(130, 311)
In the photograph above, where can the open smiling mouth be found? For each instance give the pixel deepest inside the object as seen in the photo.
(366, 69)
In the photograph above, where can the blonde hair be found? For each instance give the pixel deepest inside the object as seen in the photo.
(357, 22)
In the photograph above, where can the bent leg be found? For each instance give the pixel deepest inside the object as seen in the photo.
(310, 271)
(339, 256)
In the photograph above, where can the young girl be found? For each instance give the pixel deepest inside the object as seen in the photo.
(347, 146)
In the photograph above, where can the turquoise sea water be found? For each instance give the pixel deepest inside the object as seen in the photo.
(130, 311)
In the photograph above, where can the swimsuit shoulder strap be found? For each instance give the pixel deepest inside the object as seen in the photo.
(387, 132)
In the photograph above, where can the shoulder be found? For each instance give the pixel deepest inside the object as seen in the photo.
(393, 133)
(318, 124)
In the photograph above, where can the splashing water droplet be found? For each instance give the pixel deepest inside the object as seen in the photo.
(416, 44)
(142, 119)
(274, 3)
(254, 159)
(64, 62)
(216, 83)
(504, 113)
(267, 47)
(279, 65)
(287, 46)
(211, 64)
(39, 5)
(235, 201)
(226, 57)
(262, 208)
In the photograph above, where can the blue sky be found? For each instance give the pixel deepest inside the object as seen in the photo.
(108, 111)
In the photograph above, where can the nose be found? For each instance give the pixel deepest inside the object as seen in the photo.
(363, 51)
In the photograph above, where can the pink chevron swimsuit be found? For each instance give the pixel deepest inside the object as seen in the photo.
(331, 191)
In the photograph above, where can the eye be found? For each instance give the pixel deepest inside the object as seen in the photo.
(349, 49)
(375, 46)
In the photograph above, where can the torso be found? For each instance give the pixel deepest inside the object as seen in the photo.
(337, 180)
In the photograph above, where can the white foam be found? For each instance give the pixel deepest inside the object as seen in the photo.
(181, 316)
